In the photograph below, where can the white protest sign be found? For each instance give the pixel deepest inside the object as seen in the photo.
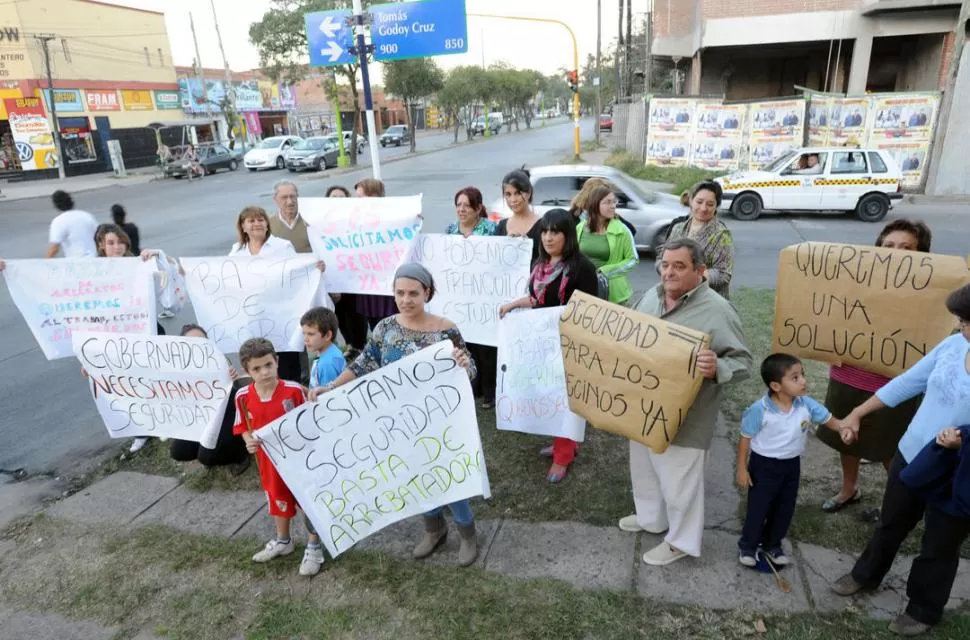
(246, 297)
(60, 296)
(362, 240)
(473, 277)
(392, 444)
(167, 386)
(530, 388)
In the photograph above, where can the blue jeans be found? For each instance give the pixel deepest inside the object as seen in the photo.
(461, 511)
(771, 502)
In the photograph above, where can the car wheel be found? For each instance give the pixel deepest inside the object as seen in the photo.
(280, 162)
(233, 165)
(872, 207)
(747, 206)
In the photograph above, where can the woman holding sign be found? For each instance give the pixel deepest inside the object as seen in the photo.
(396, 337)
(850, 386)
(473, 221)
(373, 307)
(561, 269)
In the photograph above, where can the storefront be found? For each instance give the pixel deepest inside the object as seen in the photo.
(77, 141)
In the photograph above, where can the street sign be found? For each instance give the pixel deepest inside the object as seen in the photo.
(329, 37)
(418, 29)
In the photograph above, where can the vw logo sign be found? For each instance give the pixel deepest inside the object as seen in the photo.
(25, 151)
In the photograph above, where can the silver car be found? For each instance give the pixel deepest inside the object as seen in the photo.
(650, 212)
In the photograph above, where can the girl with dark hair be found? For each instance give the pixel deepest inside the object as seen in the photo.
(517, 191)
(850, 386)
(337, 191)
(473, 221)
(608, 244)
(229, 450)
(560, 270)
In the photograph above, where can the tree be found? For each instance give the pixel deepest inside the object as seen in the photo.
(232, 119)
(412, 80)
(280, 38)
(460, 90)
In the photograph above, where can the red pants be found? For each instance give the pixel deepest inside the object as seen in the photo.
(564, 451)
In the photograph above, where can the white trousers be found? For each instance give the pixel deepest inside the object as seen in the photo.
(668, 491)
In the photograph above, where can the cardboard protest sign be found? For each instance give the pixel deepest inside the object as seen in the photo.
(877, 309)
(530, 389)
(393, 444)
(627, 372)
(58, 297)
(473, 277)
(242, 297)
(362, 240)
(163, 386)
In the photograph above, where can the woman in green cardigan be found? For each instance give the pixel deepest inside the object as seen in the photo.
(608, 244)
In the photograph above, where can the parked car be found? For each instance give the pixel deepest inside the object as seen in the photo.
(270, 153)
(495, 121)
(319, 152)
(396, 135)
(864, 181)
(606, 122)
(212, 157)
(650, 212)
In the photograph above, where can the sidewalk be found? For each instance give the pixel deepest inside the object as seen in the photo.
(11, 192)
(587, 557)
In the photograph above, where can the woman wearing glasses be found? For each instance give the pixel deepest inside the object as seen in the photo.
(608, 244)
(704, 227)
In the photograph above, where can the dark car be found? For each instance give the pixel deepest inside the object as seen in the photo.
(606, 122)
(396, 135)
(319, 152)
(212, 157)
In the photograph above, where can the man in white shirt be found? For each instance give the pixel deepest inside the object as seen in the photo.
(72, 231)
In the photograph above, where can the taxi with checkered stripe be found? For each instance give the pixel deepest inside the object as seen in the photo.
(860, 181)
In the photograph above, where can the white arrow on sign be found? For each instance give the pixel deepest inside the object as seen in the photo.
(334, 50)
(328, 27)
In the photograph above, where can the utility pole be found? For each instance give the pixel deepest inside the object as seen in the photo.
(362, 52)
(487, 133)
(55, 128)
(946, 103)
(648, 70)
(198, 73)
(599, 70)
(230, 91)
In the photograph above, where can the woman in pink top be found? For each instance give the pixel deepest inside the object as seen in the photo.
(849, 386)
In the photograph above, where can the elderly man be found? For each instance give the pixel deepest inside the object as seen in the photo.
(288, 224)
(668, 488)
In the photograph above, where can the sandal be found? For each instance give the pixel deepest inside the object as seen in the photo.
(833, 505)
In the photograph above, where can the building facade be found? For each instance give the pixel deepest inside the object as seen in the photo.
(750, 49)
(113, 78)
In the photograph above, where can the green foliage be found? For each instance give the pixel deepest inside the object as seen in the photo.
(411, 80)
(682, 178)
(462, 88)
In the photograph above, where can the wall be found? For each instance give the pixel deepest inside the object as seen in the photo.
(920, 64)
(15, 61)
(951, 175)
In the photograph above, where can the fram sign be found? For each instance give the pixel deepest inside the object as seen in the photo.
(102, 100)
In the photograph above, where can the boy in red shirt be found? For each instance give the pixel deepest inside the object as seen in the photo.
(257, 405)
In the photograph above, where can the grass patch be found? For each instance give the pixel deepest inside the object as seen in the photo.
(216, 592)
(682, 178)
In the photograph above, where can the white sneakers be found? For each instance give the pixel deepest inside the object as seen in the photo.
(662, 555)
(138, 444)
(312, 557)
(312, 561)
(630, 524)
(274, 549)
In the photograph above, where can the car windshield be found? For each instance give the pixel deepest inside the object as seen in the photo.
(271, 143)
(780, 161)
(396, 129)
(312, 143)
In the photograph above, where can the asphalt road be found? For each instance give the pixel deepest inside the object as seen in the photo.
(49, 423)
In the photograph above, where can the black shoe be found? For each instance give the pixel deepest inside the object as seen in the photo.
(869, 515)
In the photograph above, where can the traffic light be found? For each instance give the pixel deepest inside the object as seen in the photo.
(573, 79)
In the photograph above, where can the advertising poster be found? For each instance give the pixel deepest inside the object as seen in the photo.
(847, 121)
(31, 133)
(671, 115)
(774, 128)
(903, 118)
(911, 156)
(717, 136)
(819, 123)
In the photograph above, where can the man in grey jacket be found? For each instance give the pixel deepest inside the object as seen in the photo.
(668, 488)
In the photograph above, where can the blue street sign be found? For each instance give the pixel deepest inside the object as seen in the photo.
(329, 37)
(418, 29)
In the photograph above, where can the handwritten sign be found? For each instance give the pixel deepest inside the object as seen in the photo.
(246, 297)
(165, 386)
(877, 309)
(530, 394)
(362, 240)
(473, 277)
(627, 372)
(395, 443)
(59, 297)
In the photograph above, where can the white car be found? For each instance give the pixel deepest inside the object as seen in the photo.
(864, 181)
(270, 153)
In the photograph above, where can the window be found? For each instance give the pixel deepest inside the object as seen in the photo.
(876, 161)
(220, 150)
(848, 162)
(161, 58)
(556, 191)
(67, 52)
(148, 58)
